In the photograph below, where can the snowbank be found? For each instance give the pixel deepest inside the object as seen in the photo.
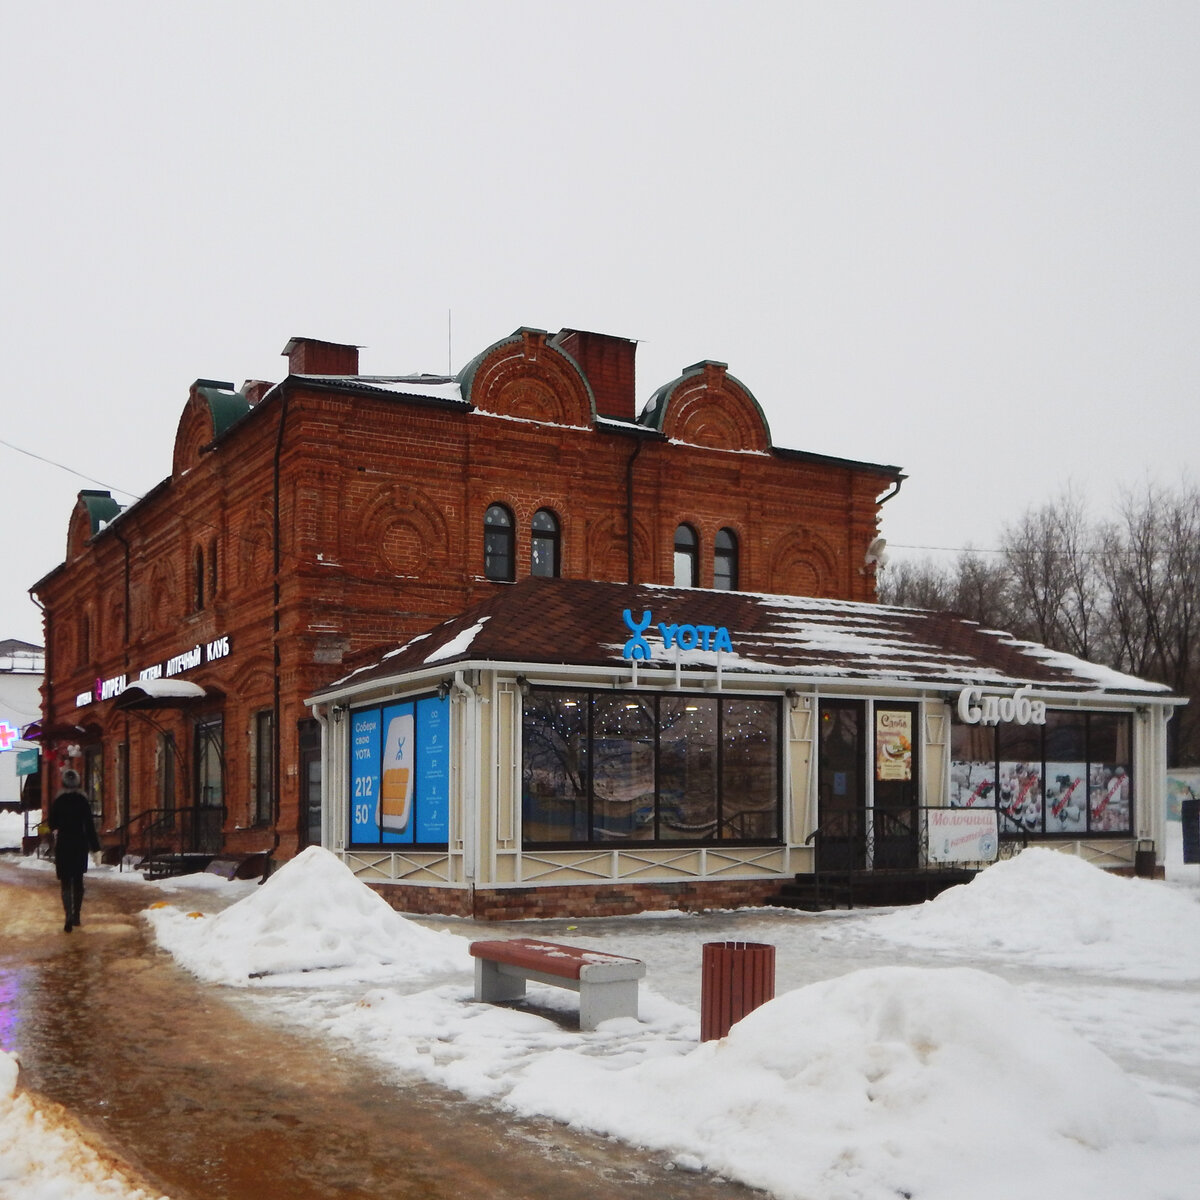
(12, 829)
(1056, 910)
(312, 916)
(936, 1083)
(887, 1082)
(43, 1158)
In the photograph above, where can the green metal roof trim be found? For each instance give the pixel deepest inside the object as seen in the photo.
(466, 377)
(101, 508)
(226, 406)
(656, 406)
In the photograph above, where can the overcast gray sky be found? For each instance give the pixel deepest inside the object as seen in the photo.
(960, 238)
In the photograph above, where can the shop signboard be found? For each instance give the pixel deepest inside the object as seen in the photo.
(893, 744)
(963, 835)
(27, 762)
(400, 773)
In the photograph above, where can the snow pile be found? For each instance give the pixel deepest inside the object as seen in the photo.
(12, 829)
(313, 915)
(888, 1082)
(1056, 910)
(43, 1158)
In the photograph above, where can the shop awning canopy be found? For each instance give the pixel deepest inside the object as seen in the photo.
(85, 735)
(163, 693)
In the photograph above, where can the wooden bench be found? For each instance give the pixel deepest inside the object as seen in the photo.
(607, 983)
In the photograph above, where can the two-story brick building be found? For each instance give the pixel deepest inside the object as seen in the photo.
(307, 522)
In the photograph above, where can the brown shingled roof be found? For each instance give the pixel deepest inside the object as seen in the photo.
(567, 621)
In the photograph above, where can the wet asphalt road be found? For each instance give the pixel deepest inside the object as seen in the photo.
(206, 1102)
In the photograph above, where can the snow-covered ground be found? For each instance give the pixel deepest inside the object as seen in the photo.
(1035, 1033)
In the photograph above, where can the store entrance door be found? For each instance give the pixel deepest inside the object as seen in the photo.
(841, 841)
(896, 814)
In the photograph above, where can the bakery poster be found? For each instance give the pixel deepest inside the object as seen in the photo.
(893, 744)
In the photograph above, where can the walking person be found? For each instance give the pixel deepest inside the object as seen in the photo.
(74, 831)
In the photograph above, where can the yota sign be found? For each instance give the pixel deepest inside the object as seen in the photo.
(684, 637)
(974, 708)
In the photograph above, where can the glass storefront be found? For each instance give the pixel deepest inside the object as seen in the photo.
(607, 767)
(1071, 777)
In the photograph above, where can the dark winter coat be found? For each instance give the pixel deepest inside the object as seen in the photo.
(74, 833)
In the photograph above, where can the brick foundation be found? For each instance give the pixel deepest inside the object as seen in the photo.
(589, 900)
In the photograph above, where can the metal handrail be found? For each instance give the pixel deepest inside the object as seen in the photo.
(168, 821)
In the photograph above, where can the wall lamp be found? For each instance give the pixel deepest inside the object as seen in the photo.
(443, 688)
(524, 685)
(793, 698)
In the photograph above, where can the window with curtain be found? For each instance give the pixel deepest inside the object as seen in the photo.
(725, 561)
(685, 556)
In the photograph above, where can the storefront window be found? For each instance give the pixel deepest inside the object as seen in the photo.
(555, 767)
(264, 767)
(610, 767)
(688, 767)
(750, 769)
(400, 774)
(1071, 777)
(623, 766)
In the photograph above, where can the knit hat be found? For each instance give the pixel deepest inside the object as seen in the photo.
(70, 778)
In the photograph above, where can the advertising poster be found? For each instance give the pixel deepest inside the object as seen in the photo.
(433, 770)
(893, 744)
(364, 776)
(958, 835)
(397, 775)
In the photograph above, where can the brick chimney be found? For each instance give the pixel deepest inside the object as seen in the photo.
(607, 363)
(308, 356)
(255, 389)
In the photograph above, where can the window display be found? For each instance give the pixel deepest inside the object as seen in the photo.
(1071, 777)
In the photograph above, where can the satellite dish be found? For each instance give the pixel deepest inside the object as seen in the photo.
(877, 553)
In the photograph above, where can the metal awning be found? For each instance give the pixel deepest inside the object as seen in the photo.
(85, 735)
(164, 693)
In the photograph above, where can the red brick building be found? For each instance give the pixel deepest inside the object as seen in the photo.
(307, 522)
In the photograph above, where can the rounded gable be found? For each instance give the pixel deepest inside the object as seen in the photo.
(210, 410)
(526, 376)
(708, 407)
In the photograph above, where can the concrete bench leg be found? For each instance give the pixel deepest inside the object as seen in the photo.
(603, 1001)
(493, 986)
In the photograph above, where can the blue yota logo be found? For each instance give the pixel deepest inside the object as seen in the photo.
(682, 637)
(637, 646)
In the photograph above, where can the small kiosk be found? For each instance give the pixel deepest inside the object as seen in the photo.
(578, 748)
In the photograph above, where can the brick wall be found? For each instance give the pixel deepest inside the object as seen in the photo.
(380, 521)
(589, 900)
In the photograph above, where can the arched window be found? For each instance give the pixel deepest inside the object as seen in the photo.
(685, 556)
(498, 544)
(198, 589)
(725, 561)
(212, 569)
(544, 544)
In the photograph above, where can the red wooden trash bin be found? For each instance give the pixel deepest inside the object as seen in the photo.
(736, 977)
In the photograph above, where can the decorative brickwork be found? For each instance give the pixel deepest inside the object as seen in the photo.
(316, 521)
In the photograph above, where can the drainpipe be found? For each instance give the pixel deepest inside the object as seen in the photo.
(276, 732)
(123, 812)
(470, 781)
(47, 676)
(629, 510)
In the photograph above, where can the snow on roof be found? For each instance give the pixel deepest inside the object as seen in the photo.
(437, 387)
(578, 622)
